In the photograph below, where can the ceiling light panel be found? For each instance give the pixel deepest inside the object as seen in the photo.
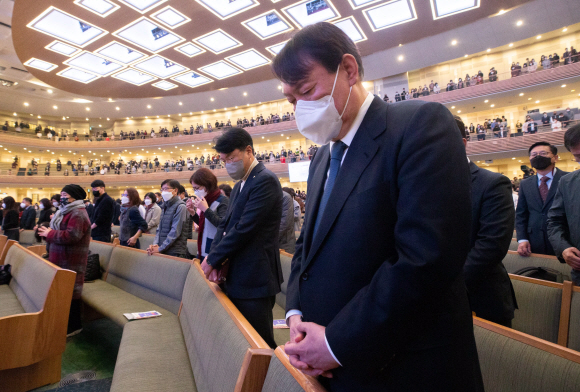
(62, 48)
(220, 70)
(190, 49)
(192, 79)
(218, 41)
(120, 53)
(248, 59)
(78, 75)
(68, 28)
(268, 24)
(91, 62)
(102, 8)
(275, 49)
(307, 12)
(148, 35)
(40, 64)
(160, 67)
(224, 9)
(169, 16)
(443, 8)
(390, 14)
(361, 3)
(134, 77)
(143, 6)
(351, 28)
(164, 85)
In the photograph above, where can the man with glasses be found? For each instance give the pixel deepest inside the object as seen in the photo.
(535, 199)
(171, 236)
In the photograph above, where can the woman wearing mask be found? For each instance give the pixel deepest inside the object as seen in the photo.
(131, 222)
(208, 208)
(46, 210)
(68, 239)
(10, 218)
(151, 213)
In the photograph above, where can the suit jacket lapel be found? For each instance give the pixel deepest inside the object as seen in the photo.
(536, 191)
(553, 187)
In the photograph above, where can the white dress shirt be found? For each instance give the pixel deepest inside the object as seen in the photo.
(550, 175)
(347, 139)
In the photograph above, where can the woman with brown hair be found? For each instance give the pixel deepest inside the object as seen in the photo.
(46, 210)
(10, 218)
(208, 208)
(131, 222)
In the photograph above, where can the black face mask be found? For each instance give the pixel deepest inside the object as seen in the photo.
(96, 194)
(63, 201)
(539, 162)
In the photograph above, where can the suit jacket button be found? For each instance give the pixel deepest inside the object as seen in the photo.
(305, 276)
(224, 233)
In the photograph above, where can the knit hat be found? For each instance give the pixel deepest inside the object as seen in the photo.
(75, 191)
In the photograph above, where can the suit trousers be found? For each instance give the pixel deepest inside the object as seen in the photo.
(102, 238)
(258, 312)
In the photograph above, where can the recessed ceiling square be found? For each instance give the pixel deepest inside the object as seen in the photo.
(351, 28)
(307, 12)
(134, 77)
(361, 3)
(220, 70)
(90, 62)
(275, 49)
(227, 8)
(68, 28)
(148, 35)
(160, 67)
(40, 64)
(390, 14)
(249, 59)
(443, 8)
(121, 53)
(164, 85)
(170, 17)
(62, 48)
(100, 7)
(218, 41)
(143, 6)
(78, 75)
(268, 24)
(190, 49)
(192, 79)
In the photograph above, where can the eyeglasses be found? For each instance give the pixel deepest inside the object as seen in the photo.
(541, 153)
(167, 189)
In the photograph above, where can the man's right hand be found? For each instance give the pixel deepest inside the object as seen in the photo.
(295, 335)
(524, 249)
(572, 257)
(152, 249)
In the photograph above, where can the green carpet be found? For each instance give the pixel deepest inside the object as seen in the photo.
(103, 385)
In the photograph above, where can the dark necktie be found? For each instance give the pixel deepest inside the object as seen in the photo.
(544, 188)
(335, 160)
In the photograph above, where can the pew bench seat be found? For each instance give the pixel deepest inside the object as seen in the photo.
(9, 304)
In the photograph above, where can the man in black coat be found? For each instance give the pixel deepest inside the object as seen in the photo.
(102, 214)
(376, 296)
(90, 208)
(489, 287)
(28, 219)
(247, 237)
(535, 199)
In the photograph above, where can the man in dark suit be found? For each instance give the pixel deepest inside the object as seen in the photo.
(535, 199)
(28, 219)
(376, 297)
(247, 238)
(103, 213)
(564, 216)
(489, 287)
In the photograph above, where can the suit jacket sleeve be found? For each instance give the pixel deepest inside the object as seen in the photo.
(431, 236)
(495, 232)
(106, 212)
(558, 230)
(28, 217)
(522, 216)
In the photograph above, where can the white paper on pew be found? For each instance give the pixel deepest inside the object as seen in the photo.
(141, 315)
(280, 324)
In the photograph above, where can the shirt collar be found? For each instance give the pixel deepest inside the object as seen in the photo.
(252, 166)
(550, 175)
(347, 139)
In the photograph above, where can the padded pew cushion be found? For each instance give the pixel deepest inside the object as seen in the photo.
(9, 304)
(279, 379)
(513, 263)
(104, 251)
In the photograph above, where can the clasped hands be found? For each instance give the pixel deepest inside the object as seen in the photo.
(307, 348)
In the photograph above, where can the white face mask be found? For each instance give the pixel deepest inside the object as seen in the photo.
(124, 200)
(201, 193)
(319, 120)
(22, 205)
(55, 203)
(3, 205)
(147, 202)
(41, 207)
(166, 195)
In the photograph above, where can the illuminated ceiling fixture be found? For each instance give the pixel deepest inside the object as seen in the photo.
(248, 59)
(148, 35)
(510, 45)
(519, 23)
(165, 85)
(268, 24)
(565, 29)
(563, 85)
(119, 52)
(390, 14)
(170, 17)
(78, 75)
(143, 6)
(454, 42)
(90, 62)
(134, 77)
(400, 58)
(444, 8)
(307, 12)
(68, 28)
(351, 28)
(190, 49)
(55, 107)
(225, 9)
(275, 49)
(220, 70)
(501, 12)
(160, 67)
(180, 103)
(538, 37)
(102, 8)
(118, 108)
(40, 64)
(62, 48)
(49, 91)
(521, 94)
(361, 3)
(218, 41)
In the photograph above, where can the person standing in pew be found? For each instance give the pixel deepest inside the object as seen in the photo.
(535, 199)
(28, 218)
(10, 218)
(68, 239)
(132, 223)
(247, 238)
(103, 213)
(376, 299)
(564, 215)
(489, 287)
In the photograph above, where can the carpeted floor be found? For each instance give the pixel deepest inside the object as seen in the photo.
(103, 385)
